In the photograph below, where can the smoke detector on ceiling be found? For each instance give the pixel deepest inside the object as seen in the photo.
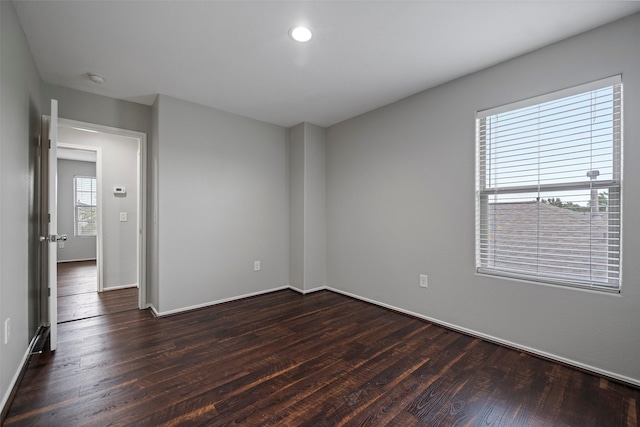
(96, 78)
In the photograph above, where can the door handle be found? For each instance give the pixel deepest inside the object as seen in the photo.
(54, 238)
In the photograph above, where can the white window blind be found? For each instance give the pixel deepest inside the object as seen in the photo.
(548, 181)
(85, 212)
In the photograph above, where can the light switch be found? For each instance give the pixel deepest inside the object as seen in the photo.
(123, 216)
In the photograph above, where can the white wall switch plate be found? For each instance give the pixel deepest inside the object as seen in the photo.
(123, 217)
(7, 330)
(424, 281)
(256, 266)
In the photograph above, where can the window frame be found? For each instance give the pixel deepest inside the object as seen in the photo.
(76, 206)
(614, 187)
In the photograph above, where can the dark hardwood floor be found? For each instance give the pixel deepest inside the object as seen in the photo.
(283, 359)
(78, 297)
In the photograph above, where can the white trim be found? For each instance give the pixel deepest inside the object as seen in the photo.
(496, 340)
(551, 96)
(52, 195)
(78, 125)
(211, 303)
(529, 280)
(220, 301)
(298, 290)
(115, 288)
(154, 310)
(307, 291)
(14, 380)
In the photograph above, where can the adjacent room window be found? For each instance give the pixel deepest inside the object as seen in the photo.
(548, 199)
(85, 212)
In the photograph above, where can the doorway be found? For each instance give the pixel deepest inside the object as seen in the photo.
(77, 211)
(113, 274)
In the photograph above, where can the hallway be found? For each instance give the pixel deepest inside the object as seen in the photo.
(78, 297)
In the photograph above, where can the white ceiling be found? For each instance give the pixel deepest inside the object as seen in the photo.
(236, 55)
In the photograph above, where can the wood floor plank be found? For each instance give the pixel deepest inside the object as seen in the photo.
(78, 296)
(311, 343)
(78, 277)
(300, 386)
(285, 359)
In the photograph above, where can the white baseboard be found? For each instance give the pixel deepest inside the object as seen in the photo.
(490, 338)
(154, 310)
(114, 288)
(15, 378)
(307, 291)
(207, 304)
(60, 261)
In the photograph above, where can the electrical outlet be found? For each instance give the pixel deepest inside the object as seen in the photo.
(7, 330)
(256, 266)
(424, 281)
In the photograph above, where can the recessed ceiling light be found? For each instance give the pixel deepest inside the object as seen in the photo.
(95, 78)
(300, 34)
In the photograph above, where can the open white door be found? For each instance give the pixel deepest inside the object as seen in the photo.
(52, 236)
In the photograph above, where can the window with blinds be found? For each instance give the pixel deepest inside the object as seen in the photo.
(548, 181)
(85, 212)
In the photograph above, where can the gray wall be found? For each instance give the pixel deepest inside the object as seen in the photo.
(307, 200)
(20, 109)
(315, 207)
(75, 248)
(296, 207)
(222, 204)
(400, 202)
(152, 211)
(119, 168)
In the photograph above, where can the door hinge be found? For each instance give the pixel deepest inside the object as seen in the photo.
(49, 143)
(48, 217)
(49, 292)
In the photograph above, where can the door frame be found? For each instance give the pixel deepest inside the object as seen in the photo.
(141, 203)
(99, 237)
(50, 187)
